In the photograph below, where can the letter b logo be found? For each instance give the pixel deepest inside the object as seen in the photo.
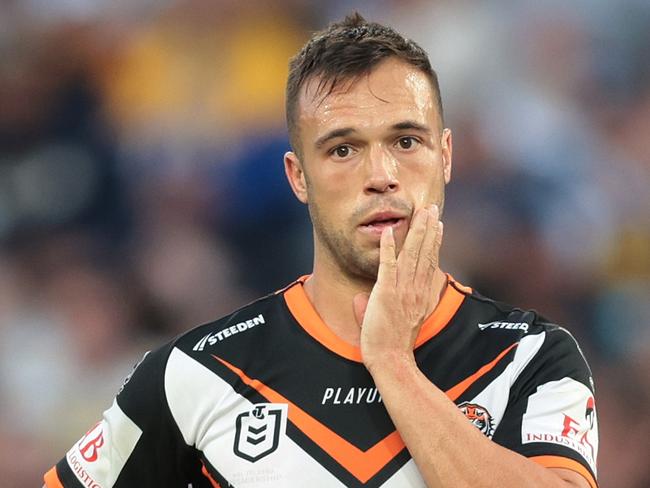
(91, 442)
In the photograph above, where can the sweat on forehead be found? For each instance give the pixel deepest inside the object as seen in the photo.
(317, 89)
(398, 73)
(393, 85)
(344, 52)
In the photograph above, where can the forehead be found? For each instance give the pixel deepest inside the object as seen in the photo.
(393, 91)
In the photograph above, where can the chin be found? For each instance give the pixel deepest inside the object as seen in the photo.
(365, 269)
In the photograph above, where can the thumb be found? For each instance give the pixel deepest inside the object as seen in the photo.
(360, 303)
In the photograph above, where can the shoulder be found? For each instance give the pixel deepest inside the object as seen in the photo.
(544, 348)
(239, 334)
(491, 314)
(237, 330)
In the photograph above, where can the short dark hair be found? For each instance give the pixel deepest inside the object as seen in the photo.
(345, 51)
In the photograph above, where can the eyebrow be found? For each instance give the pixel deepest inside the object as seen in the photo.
(333, 134)
(346, 131)
(411, 125)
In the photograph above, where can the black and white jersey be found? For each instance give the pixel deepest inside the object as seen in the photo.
(269, 397)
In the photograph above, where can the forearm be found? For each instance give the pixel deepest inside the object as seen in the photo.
(448, 450)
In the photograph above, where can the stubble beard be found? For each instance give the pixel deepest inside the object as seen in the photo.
(358, 264)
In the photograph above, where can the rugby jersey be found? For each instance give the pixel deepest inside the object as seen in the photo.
(269, 396)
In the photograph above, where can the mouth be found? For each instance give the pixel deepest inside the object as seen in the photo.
(377, 222)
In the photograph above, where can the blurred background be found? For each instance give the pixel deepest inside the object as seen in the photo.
(142, 190)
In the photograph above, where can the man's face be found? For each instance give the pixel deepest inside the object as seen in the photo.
(372, 152)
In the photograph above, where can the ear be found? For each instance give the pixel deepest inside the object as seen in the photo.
(447, 146)
(296, 175)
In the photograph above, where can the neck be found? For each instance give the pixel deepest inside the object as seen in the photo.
(331, 292)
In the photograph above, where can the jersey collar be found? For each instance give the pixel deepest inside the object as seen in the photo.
(307, 317)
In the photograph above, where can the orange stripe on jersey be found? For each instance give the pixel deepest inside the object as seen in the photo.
(363, 465)
(461, 287)
(308, 318)
(566, 463)
(52, 479)
(454, 392)
(449, 304)
(207, 474)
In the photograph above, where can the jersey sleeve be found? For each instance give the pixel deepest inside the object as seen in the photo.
(136, 443)
(551, 413)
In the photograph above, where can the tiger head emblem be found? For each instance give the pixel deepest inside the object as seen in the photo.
(479, 417)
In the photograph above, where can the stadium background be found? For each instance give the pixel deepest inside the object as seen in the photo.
(142, 192)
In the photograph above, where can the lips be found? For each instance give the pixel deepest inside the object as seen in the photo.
(378, 221)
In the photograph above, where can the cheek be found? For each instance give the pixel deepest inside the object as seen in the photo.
(334, 188)
(339, 180)
(424, 182)
(327, 201)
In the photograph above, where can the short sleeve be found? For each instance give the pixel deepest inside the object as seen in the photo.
(136, 442)
(551, 413)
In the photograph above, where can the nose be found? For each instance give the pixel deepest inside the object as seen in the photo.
(381, 172)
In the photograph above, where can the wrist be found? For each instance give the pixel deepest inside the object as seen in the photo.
(397, 363)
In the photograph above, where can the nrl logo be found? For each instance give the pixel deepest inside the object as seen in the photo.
(258, 431)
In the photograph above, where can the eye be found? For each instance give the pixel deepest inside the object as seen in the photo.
(342, 152)
(407, 142)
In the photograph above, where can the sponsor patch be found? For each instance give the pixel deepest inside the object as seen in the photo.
(563, 412)
(479, 417)
(99, 457)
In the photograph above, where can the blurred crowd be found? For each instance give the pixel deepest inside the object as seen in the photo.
(142, 190)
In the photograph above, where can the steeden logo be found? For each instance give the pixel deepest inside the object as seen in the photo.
(212, 338)
(504, 325)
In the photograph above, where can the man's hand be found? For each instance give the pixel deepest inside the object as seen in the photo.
(447, 449)
(403, 297)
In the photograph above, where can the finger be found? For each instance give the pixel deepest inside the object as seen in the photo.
(387, 273)
(427, 258)
(429, 253)
(408, 257)
(439, 235)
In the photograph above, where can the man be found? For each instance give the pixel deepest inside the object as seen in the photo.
(378, 369)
